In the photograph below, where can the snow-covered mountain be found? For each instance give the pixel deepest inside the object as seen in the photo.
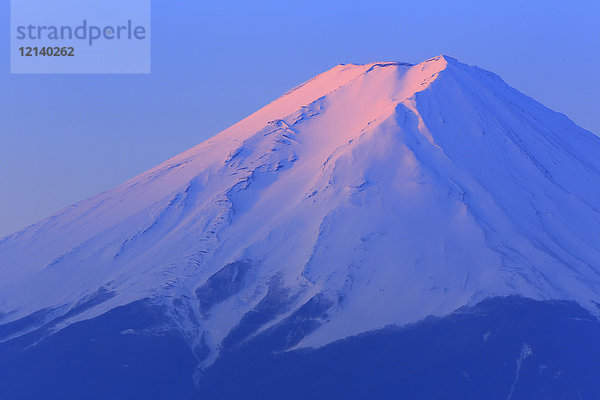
(371, 195)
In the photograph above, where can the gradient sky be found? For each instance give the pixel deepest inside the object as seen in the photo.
(66, 137)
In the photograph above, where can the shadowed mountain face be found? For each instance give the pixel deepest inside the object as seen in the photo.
(502, 348)
(371, 196)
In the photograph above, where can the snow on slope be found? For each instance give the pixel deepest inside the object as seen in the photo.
(388, 191)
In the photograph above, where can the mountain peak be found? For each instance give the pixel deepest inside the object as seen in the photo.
(441, 58)
(391, 79)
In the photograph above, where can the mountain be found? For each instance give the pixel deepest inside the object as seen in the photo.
(380, 214)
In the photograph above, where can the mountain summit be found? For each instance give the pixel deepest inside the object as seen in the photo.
(370, 196)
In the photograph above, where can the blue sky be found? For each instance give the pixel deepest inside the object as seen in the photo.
(66, 137)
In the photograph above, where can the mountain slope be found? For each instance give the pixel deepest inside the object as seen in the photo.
(371, 195)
